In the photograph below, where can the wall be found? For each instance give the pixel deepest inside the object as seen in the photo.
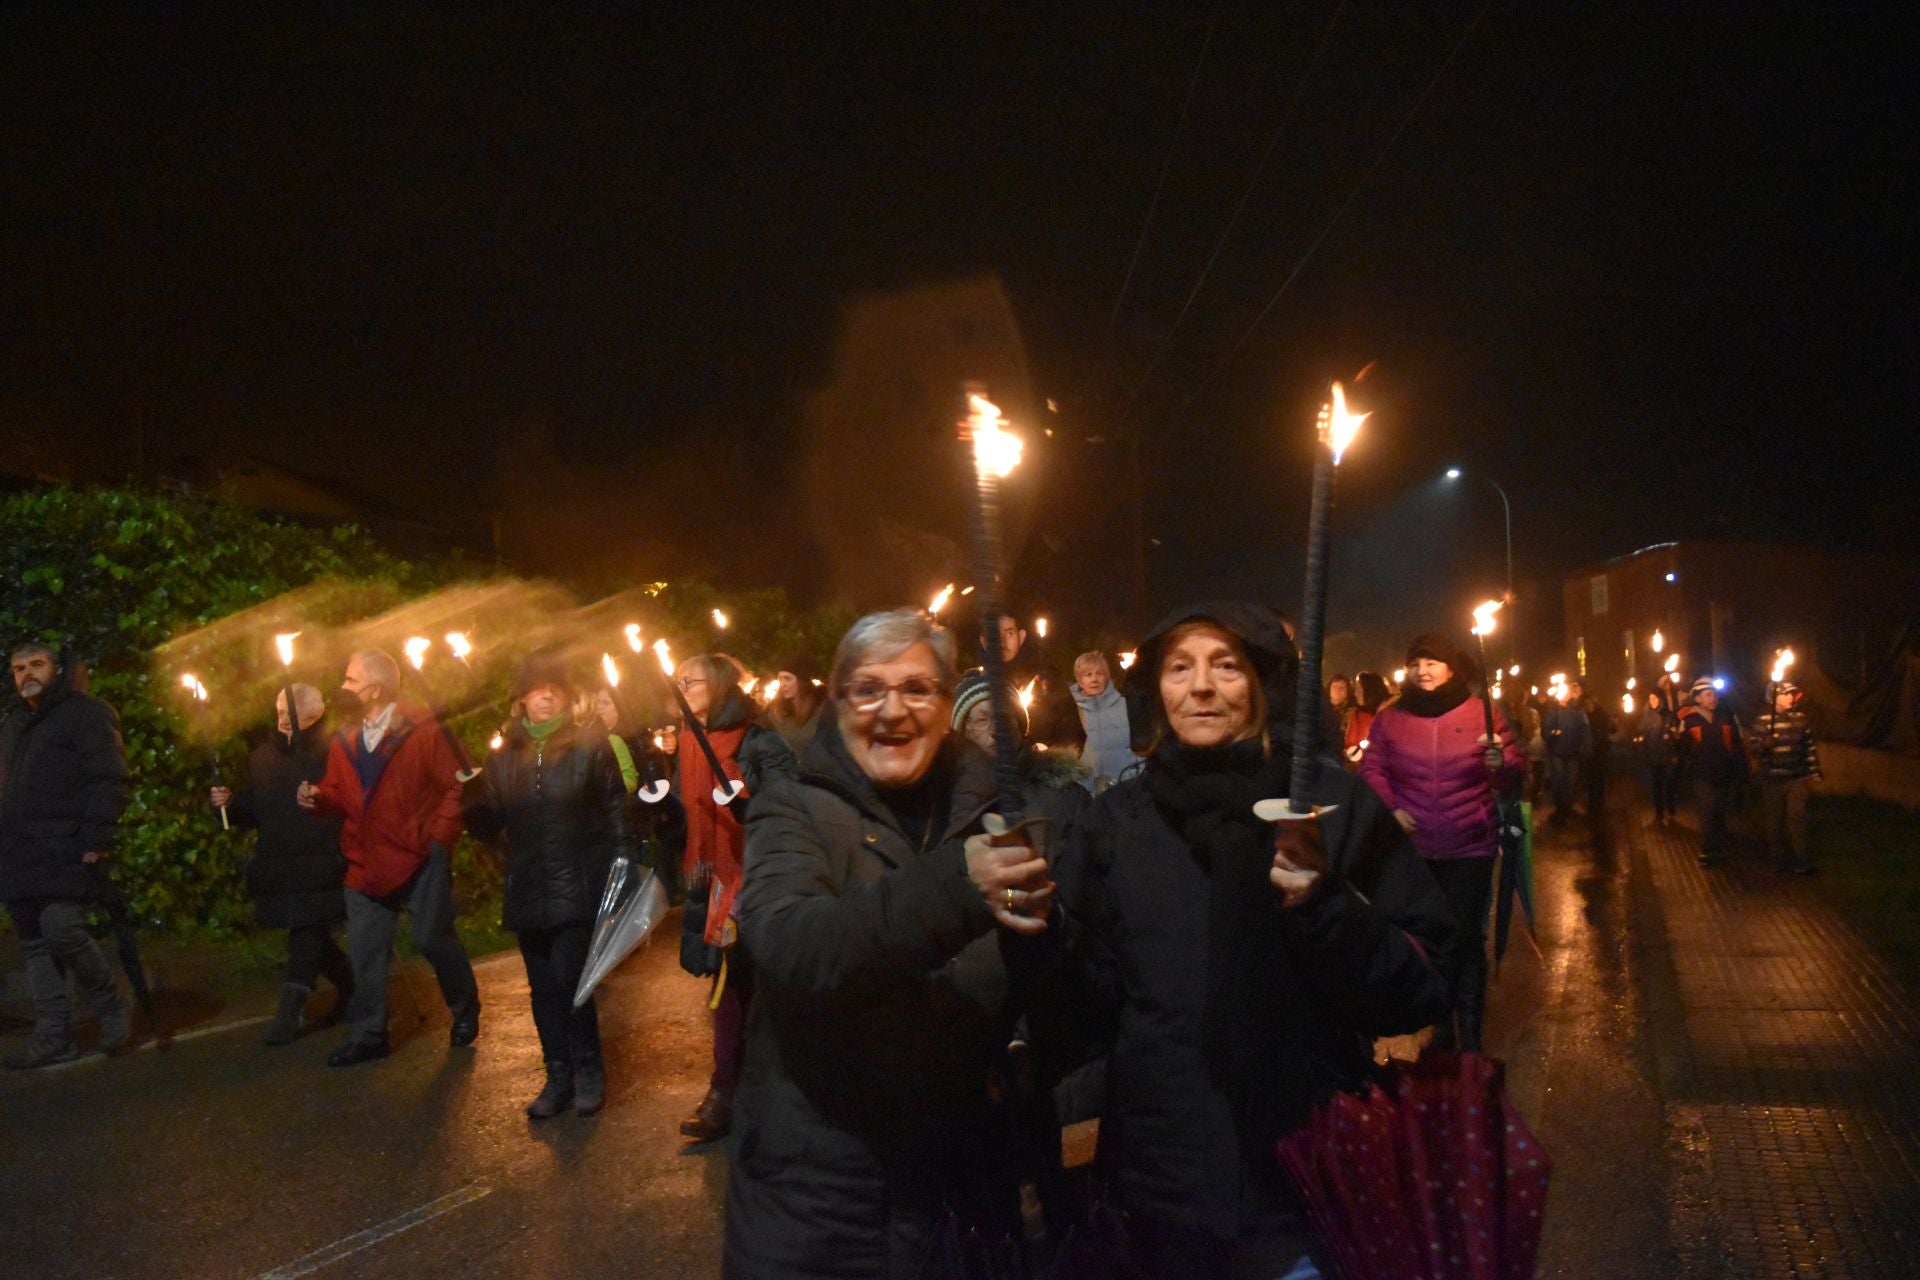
(1862, 771)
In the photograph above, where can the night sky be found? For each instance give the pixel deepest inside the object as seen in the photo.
(1646, 271)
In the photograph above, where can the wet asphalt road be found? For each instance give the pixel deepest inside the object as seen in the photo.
(217, 1158)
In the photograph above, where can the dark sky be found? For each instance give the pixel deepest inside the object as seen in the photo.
(1647, 271)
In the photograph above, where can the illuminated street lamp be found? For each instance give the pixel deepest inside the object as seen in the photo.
(1506, 511)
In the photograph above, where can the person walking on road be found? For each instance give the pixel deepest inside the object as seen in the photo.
(1599, 747)
(1431, 765)
(1787, 764)
(392, 778)
(553, 793)
(63, 784)
(1653, 740)
(714, 861)
(1569, 738)
(875, 911)
(1241, 967)
(296, 874)
(1716, 763)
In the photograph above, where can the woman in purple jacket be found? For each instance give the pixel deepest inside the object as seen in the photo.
(1429, 759)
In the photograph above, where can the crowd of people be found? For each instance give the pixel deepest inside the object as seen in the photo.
(923, 956)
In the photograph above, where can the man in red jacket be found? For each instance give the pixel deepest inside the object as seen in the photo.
(392, 777)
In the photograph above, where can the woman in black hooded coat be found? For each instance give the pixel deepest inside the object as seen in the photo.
(1240, 968)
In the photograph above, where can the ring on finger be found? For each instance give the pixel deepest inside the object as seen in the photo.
(1009, 899)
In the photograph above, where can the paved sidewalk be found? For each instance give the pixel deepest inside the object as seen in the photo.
(1786, 1056)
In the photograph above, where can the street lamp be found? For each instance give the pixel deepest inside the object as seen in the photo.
(1506, 509)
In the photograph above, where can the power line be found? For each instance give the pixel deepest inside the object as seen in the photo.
(1239, 208)
(1166, 166)
(1339, 213)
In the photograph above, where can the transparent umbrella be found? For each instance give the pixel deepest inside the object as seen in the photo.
(630, 909)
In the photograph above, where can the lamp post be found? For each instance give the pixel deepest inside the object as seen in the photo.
(1506, 511)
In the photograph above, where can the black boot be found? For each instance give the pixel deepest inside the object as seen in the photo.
(556, 1097)
(52, 1038)
(589, 1087)
(292, 1017)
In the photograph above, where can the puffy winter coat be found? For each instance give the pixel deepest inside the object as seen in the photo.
(880, 1008)
(1567, 731)
(1109, 750)
(413, 803)
(561, 807)
(1434, 767)
(1711, 743)
(296, 871)
(63, 783)
(1136, 896)
(1783, 747)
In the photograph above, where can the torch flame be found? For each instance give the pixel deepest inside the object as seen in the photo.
(721, 620)
(770, 689)
(1780, 664)
(1659, 641)
(611, 670)
(189, 682)
(633, 636)
(940, 600)
(1127, 660)
(1632, 684)
(1399, 675)
(1040, 627)
(416, 650)
(662, 652)
(1673, 664)
(967, 590)
(1626, 703)
(284, 643)
(458, 643)
(995, 452)
(1483, 617)
(1340, 425)
(496, 741)
(1026, 694)
(748, 685)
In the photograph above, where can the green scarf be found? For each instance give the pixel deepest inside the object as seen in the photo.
(545, 729)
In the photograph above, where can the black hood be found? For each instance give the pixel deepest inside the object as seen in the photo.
(1260, 628)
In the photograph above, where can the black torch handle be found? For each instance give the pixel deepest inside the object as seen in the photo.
(1486, 690)
(1009, 802)
(1306, 709)
(698, 731)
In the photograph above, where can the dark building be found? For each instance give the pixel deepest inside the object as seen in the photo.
(1728, 607)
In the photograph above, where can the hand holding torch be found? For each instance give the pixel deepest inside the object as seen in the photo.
(1483, 624)
(996, 452)
(725, 790)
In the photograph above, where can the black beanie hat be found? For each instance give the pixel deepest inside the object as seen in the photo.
(543, 666)
(1431, 644)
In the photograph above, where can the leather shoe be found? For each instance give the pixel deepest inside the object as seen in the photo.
(465, 1031)
(711, 1119)
(354, 1052)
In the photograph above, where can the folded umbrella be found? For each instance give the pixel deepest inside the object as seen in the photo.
(628, 913)
(1516, 876)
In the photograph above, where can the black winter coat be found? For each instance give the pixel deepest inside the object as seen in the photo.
(296, 873)
(880, 1010)
(561, 807)
(63, 783)
(1136, 898)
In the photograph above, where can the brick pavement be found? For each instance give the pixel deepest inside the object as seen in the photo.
(1786, 1054)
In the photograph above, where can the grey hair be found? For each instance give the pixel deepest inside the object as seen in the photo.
(378, 666)
(27, 648)
(1093, 657)
(305, 698)
(881, 637)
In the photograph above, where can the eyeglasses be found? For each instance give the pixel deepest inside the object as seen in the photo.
(918, 693)
(690, 682)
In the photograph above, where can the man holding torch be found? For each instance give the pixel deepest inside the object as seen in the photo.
(63, 783)
(393, 779)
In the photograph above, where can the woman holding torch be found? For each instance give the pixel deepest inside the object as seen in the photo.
(1242, 966)
(1438, 758)
(746, 752)
(553, 794)
(875, 912)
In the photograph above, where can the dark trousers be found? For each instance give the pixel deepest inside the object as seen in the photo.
(1467, 885)
(555, 959)
(730, 1026)
(1663, 783)
(1713, 801)
(1563, 775)
(371, 924)
(54, 942)
(1784, 805)
(311, 953)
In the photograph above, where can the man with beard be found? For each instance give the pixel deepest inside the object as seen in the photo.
(63, 783)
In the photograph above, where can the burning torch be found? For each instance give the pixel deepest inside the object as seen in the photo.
(1483, 624)
(416, 648)
(725, 790)
(283, 643)
(191, 683)
(996, 452)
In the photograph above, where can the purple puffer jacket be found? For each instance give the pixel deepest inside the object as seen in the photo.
(1435, 768)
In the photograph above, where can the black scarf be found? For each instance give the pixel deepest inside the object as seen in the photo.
(1208, 794)
(1428, 703)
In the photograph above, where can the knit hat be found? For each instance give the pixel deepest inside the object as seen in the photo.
(1787, 687)
(543, 666)
(972, 690)
(1701, 684)
(1431, 644)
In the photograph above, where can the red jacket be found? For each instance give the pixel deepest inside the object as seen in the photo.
(416, 800)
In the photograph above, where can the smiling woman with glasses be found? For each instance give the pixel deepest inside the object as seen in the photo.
(875, 912)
